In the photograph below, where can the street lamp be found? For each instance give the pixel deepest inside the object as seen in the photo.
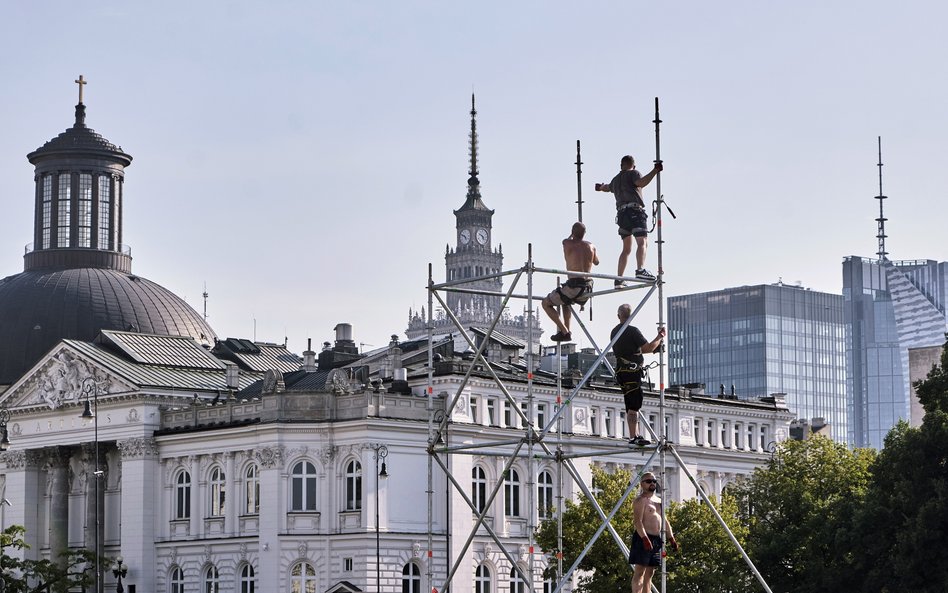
(381, 452)
(90, 414)
(119, 572)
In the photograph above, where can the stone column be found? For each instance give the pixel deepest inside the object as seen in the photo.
(23, 489)
(141, 475)
(270, 461)
(58, 470)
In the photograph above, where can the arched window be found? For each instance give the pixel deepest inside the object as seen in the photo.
(479, 488)
(252, 491)
(182, 496)
(545, 504)
(176, 581)
(353, 486)
(212, 580)
(411, 578)
(247, 581)
(517, 584)
(303, 578)
(512, 494)
(482, 579)
(218, 492)
(303, 487)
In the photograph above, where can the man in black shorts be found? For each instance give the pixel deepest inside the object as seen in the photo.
(630, 216)
(629, 349)
(580, 257)
(645, 553)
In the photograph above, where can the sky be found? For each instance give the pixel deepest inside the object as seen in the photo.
(302, 159)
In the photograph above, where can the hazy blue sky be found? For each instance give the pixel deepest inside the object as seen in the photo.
(303, 158)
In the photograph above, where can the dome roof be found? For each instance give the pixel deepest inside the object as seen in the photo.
(80, 139)
(40, 307)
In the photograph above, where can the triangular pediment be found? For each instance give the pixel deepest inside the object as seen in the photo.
(343, 587)
(63, 377)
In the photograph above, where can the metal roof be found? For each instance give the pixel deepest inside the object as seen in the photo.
(175, 351)
(500, 337)
(258, 356)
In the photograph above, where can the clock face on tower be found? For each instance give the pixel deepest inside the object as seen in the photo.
(482, 236)
(465, 237)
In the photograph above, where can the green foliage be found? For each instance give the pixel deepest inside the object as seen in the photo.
(607, 568)
(904, 526)
(799, 509)
(708, 561)
(40, 576)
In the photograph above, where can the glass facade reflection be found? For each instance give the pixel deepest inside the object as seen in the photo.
(764, 339)
(890, 306)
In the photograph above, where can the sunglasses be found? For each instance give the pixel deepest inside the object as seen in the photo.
(650, 481)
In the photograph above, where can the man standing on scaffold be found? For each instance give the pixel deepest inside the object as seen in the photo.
(580, 257)
(631, 216)
(629, 349)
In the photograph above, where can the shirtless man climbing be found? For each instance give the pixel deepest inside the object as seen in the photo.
(646, 551)
(580, 257)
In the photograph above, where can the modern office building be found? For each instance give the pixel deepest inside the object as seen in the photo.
(764, 339)
(889, 307)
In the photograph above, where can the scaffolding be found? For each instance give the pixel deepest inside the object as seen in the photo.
(547, 441)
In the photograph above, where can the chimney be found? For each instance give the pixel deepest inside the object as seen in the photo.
(231, 375)
(344, 341)
(309, 357)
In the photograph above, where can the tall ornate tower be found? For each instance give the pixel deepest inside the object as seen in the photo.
(473, 257)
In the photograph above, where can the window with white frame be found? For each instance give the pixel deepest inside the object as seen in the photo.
(353, 486)
(212, 580)
(623, 425)
(725, 433)
(84, 211)
(411, 578)
(479, 489)
(303, 578)
(248, 581)
(710, 433)
(545, 504)
(526, 413)
(252, 490)
(47, 211)
(541, 416)
(763, 438)
(512, 494)
(105, 214)
(64, 210)
(492, 412)
(303, 487)
(607, 419)
(699, 435)
(594, 421)
(182, 496)
(517, 584)
(473, 408)
(738, 435)
(482, 579)
(218, 485)
(176, 580)
(508, 413)
(751, 431)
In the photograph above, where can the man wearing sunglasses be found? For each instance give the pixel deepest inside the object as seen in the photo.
(645, 553)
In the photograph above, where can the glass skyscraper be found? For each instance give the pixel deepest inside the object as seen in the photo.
(890, 306)
(764, 339)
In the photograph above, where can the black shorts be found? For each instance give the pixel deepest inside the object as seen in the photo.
(632, 221)
(631, 383)
(639, 555)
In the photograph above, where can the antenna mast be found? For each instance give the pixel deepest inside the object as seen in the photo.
(205, 295)
(882, 253)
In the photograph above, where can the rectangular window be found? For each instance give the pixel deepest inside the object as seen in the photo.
(47, 210)
(473, 408)
(622, 424)
(608, 421)
(699, 440)
(763, 438)
(724, 435)
(541, 416)
(84, 218)
(710, 433)
(347, 564)
(105, 208)
(594, 421)
(507, 413)
(64, 212)
(492, 412)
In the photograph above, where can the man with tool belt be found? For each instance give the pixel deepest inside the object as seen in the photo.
(629, 349)
(630, 214)
(580, 257)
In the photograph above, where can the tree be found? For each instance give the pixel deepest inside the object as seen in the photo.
(40, 576)
(903, 526)
(605, 568)
(799, 509)
(708, 561)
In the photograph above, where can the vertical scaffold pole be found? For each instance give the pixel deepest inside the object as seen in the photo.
(431, 439)
(530, 432)
(661, 324)
(579, 183)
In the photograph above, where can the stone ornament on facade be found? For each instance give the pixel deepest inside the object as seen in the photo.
(62, 378)
(133, 416)
(303, 548)
(23, 459)
(685, 427)
(338, 382)
(416, 550)
(270, 457)
(138, 448)
(243, 551)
